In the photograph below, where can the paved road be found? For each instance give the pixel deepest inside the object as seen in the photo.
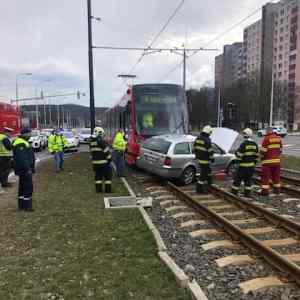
(42, 155)
(291, 145)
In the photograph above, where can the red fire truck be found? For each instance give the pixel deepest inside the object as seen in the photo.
(10, 116)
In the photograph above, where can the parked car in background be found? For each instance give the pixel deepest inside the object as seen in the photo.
(277, 129)
(172, 156)
(47, 131)
(36, 141)
(73, 141)
(84, 135)
(44, 140)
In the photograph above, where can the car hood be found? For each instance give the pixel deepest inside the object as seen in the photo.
(224, 138)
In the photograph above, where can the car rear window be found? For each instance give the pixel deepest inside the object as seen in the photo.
(157, 145)
(182, 148)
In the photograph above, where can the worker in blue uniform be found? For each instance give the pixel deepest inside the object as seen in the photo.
(24, 165)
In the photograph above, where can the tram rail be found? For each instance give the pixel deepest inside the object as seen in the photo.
(280, 262)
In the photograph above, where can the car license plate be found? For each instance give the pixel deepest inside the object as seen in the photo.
(150, 159)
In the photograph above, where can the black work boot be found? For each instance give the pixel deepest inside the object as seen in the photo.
(29, 206)
(20, 203)
(98, 188)
(234, 191)
(108, 188)
(199, 188)
(247, 194)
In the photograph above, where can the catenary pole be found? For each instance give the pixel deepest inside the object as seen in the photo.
(91, 67)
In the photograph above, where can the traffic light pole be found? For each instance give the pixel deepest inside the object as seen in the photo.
(91, 67)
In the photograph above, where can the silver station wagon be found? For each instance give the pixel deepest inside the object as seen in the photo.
(171, 156)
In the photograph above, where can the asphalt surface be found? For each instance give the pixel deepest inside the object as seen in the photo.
(291, 145)
(43, 155)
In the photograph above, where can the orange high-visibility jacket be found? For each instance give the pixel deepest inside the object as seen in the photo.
(271, 149)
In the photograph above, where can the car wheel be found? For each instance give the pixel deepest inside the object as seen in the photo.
(232, 168)
(188, 175)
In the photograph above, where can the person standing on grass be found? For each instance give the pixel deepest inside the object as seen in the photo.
(56, 145)
(119, 147)
(5, 155)
(24, 165)
(101, 159)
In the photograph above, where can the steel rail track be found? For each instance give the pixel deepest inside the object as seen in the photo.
(286, 188)
(284, 178)
(274, 258)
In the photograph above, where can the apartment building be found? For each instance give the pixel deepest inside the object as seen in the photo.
(286, 55)
(253, 49)
(219, 72)
(233, 59)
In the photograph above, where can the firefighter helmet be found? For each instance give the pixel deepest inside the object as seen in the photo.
(207, 129)
(247, 132)
(99, 131)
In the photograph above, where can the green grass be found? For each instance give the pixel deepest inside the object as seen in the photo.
(291, 162)
(71, 248)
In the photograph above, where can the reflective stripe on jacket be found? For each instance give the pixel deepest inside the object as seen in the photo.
(271, 149)
(100, 151)
(203, 149)
(248, 154)
(3, 149)
(119, 143)
(57, 143)
(24, 159)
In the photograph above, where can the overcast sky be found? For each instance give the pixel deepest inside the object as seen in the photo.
(49, 39)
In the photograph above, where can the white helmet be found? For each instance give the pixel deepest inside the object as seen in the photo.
(247, 132)
(99, 131)
(207, 129)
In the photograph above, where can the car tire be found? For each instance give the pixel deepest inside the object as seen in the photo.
(231, 169)
(188, 175)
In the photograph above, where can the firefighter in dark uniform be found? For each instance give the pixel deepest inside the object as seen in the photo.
(204, 155)
(24, 162)
(101, 159)
(247, 156)
(5, 156)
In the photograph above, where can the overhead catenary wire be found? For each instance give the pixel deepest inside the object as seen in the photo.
(178, 7)
(216, 39)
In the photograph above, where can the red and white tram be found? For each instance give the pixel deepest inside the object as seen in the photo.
(147, 110)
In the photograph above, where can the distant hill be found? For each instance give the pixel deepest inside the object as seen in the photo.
(74, 115)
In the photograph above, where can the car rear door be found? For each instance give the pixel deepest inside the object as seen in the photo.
(182, 155)
(154, 152)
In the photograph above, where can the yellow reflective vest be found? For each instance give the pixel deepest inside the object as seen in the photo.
(3, 150)
(148, 121)
(56, 143)
(119, 143)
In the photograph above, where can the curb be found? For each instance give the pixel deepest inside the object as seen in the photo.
(182, 279)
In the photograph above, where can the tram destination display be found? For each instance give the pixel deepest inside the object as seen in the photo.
(158, 99)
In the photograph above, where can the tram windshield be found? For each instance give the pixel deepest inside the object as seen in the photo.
(160, 109)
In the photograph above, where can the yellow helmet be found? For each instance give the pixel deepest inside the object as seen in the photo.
(247, 132)
(207, 129)
(99, 131)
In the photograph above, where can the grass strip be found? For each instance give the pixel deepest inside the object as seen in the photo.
(71, 248)
(291, 162)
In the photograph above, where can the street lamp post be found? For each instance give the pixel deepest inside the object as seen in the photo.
(17, 84)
